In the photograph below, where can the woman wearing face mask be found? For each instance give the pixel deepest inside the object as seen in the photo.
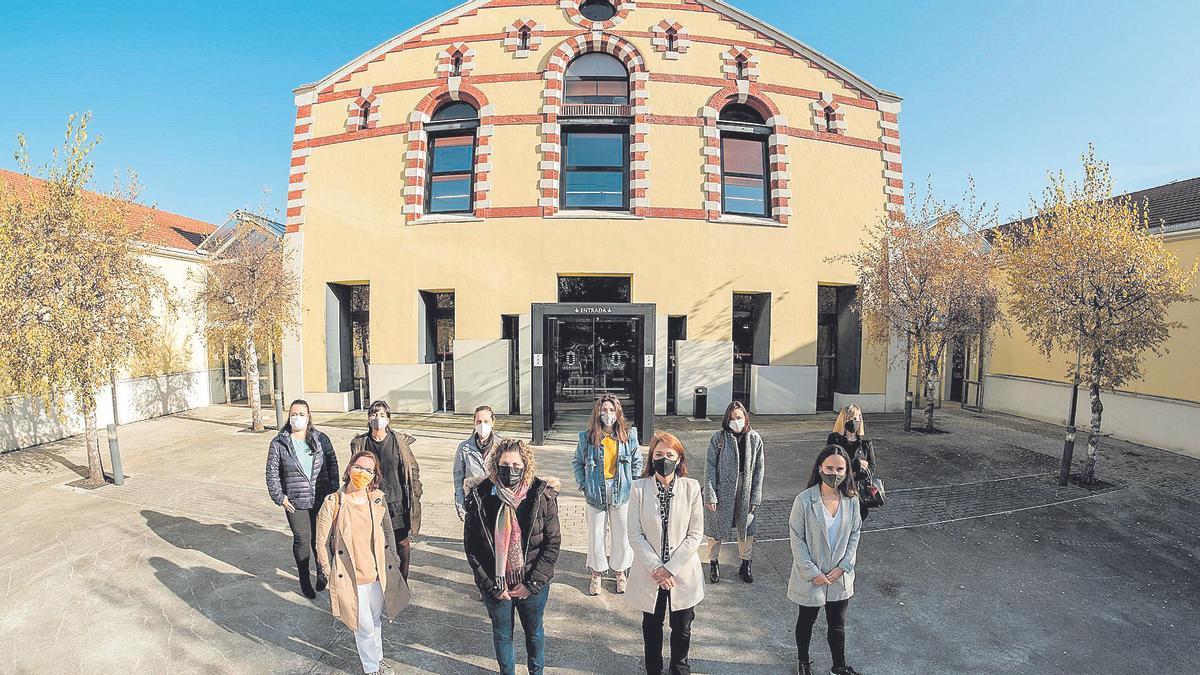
(606, 460)
(733, 488)
(850, 435)
(511, 538)
(470, 460)
(666, 530)
(825, 527)
(399, 476)
(364, 571)
(301, 470)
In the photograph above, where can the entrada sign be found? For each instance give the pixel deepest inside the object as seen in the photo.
(593, 310)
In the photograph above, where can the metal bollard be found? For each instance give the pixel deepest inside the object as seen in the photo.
(278, 410)
(1064, 472)
(114, 451)
(908, 406)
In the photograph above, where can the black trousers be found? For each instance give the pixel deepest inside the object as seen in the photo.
(304, 538)
(403, 550)
(681, 636)
(835, 616)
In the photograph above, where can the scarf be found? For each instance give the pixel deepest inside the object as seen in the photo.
(510, 556)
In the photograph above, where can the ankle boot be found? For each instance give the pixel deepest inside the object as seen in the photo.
(322, 581)
(305, 581)
(714, 571)
(747, 576)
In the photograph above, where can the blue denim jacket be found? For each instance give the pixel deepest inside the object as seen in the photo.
(589, 470)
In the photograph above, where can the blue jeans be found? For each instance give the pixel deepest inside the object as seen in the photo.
(530, 610)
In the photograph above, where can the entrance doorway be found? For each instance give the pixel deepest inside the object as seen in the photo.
(582, 352)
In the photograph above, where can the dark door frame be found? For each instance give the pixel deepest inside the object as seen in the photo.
(539, 312)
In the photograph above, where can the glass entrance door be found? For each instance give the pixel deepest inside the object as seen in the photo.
(590, 357)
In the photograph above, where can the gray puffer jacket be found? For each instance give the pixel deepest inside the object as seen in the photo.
(285, 478)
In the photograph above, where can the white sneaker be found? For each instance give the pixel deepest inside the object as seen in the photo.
(622, 582)
(594, 587)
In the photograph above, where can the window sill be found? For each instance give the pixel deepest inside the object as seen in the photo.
(434, 218)
(586, 214)
(731, 219)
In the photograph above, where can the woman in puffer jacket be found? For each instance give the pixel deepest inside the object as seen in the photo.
(301, 470)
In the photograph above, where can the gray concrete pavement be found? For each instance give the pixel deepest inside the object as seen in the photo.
(979, 564)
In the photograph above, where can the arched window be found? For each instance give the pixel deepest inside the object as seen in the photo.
(830, 119)
(597, 10)
(451, 181)
(456, 64)
(364, 113)
(672, 39)
(745, 174)
(596, 78)
(523, 37)
(743, 67)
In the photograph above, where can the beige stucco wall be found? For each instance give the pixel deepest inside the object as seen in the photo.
(354, 229)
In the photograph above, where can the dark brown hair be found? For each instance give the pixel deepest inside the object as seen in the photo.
(735, 405)
(671, 441)
(310, 431)
(489, 410)
(621, 426)
(374, 484)
(847, 488)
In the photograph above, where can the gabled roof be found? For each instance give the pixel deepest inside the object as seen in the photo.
(1174, 207)
(224, 236)
(166, 229)
(718, 6)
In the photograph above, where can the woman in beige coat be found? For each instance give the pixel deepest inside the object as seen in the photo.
(666, 528)
(364, 571)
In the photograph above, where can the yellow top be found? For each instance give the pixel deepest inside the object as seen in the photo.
(610, 457)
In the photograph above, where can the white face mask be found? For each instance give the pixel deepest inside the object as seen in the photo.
(298, 422)
(608, 419)
(379, 422)
(483, 430)
(737, 425)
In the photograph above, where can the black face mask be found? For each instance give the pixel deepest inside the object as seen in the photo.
(664, 466)
(510, 476)
(851, 426)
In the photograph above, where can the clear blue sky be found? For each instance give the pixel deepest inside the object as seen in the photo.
(196, 96)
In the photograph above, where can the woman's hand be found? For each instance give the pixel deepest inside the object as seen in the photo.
(712, 508)
(519, 593)
(864, 464)
(821, 580)
(834, 574)
(287, 506)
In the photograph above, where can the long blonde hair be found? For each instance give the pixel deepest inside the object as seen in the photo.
(848, 412)
(596, 429)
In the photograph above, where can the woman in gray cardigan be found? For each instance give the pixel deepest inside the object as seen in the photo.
(825, 527)
(733, 488)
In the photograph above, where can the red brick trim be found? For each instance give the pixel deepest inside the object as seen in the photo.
(551, 147)
(737, 60)
(530, 29)
(460, 53)
(416, 159)
(571, 8)
(828, 116)
(362, 112)
(670, 39)
(780, 175)
(298, 172)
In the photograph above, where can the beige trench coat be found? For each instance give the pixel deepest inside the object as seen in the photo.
(343, 588)
(645, 536)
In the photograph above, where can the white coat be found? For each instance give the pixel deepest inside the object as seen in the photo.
(686, 529)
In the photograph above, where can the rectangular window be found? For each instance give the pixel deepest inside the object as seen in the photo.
(609, 92)
(744, 176)
(451, 175)
(596, 170)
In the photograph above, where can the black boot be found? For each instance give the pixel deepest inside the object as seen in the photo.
(805, 668)
(322, 581)
(306, 582)
(714, 571)
(747, 576)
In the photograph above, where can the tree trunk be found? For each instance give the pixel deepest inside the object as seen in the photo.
(92, 439)
(931, 376)
(1093, 450)
(251, 364)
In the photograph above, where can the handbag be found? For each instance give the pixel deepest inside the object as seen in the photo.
(870, 489)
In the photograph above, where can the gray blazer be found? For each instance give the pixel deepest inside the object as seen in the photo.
(811, 554)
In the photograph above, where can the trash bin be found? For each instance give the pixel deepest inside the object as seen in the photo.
(700, 403)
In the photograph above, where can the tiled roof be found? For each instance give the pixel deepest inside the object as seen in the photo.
(1174, 206)
(166, 229)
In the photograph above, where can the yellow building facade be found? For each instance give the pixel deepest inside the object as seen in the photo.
(529, 204)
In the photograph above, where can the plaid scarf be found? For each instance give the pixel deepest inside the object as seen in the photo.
(510, 556)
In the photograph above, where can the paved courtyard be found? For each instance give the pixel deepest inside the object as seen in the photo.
(980, 563)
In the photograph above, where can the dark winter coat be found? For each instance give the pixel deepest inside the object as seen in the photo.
(285, 478)
(400, 477)
(538, 517)
(860, 448)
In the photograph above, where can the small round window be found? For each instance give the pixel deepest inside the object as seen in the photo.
(597, 10)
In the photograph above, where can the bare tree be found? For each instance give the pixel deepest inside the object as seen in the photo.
(1089, 276)
(927, 276)
(247, 297)
(76, 293)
